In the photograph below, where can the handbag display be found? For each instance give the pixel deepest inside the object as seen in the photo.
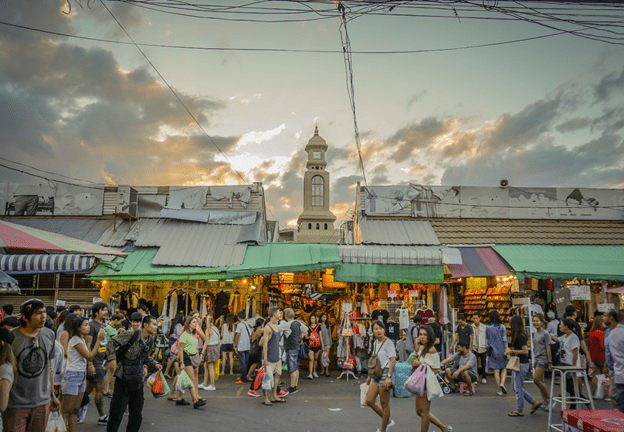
(347, 330)
(513, 363)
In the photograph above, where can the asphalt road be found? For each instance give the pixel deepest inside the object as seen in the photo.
(328, 404)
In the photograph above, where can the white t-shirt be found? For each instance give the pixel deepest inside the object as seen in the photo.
(403, 319)
(243, 339)
(75, 361)
(568, 344)
(385, 353)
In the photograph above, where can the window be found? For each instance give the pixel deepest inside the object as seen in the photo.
(317, 191)
(325, 226)
(309, 226)
(318, 226)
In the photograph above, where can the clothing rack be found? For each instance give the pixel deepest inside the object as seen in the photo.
(347, 354)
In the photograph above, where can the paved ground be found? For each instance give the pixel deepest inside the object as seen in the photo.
(328, 404)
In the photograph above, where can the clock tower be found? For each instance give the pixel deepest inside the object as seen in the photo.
(316, 223)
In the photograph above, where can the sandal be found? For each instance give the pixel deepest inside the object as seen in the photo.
(515, 414)
(267, 403)
(536, 405)
(279, 401)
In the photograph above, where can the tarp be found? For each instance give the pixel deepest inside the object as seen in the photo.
(42, 263)
(274, 258)
(564, 261)
(386, 273)
(138, 267)
(479, 262)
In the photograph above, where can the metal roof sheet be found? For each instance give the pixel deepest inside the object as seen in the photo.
(89, 230)
(398, 232)
(398, 255)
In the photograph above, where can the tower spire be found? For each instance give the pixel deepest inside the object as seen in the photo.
(316, 129)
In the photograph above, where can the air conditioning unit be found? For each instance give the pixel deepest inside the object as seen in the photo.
(127, 202)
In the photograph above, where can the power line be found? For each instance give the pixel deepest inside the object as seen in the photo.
(48, 179)
(48, 172)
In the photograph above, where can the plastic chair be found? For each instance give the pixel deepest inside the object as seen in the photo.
(463, 386)
(564, 399)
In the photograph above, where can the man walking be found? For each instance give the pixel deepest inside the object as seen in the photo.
(292, 340)
(96, 370)
(271, 360)
(242, 344)
(479, 345)
(463, 333)
(611, 320)
(32, 398)
(133, 350)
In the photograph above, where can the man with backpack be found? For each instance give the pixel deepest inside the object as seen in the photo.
(412, 334)
(133, 350)
(292, 331)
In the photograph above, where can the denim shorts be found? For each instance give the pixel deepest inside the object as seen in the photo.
(292, 360)
(74, 383)
(383, 377)
(543, 365)
(227, 347)
(100, 373)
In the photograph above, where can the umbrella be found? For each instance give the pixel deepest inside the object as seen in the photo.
(13, 236)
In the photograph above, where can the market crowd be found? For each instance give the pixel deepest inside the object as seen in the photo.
(56, 363)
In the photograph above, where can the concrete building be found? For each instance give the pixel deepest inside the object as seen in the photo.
(316, 223)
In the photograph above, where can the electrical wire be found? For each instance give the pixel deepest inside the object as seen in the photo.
(48, 172)
(50, 180)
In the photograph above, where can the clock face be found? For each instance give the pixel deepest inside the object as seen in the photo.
(316, 155)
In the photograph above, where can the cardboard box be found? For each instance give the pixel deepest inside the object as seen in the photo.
(593, 420)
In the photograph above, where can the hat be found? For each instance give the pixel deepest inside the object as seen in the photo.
(6, 335)
(570, 309)
(431, 320)
(136, 317)
(551, 315)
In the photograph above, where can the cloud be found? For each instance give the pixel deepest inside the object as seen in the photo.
(415, 97)
(608, 85)
(574, 124)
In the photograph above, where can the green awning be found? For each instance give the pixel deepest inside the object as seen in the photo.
(564, 261)
(274, 258)
(138, 267)
(386, 273)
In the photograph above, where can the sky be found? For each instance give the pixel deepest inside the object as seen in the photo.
(546, 112)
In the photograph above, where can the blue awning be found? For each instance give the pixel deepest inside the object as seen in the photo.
(36, 264)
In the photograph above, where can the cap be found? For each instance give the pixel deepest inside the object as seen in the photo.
(136, 317)
(431, 321)
(6, 335)
(570, 309)
(551, 315)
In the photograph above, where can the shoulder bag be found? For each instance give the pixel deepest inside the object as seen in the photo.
(513, 363)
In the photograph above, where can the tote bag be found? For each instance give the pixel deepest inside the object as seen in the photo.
(513, 363)
(416, 382)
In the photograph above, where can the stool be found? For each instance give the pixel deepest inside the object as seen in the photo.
(564, 399)
(462, 388)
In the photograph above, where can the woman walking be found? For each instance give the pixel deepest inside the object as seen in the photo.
(542, 356)
(188, 355)
(597, 349)
(386, 353)
(211, 353)
(8, 369)
(326, 339)
(176, 330)
(314, 341)
(518, 347)
(428, 354)
(74, 382)
(227, 344)
(496, 337)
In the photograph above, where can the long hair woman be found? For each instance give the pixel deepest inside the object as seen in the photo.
(518, 347)
(176, 330)
(8, 369)
(386, 353)
(496, 337)
(211, 353)
(326, 338)
(227, 344)
(597, 348)
(542, 356)
(188, 355)
(74, 382)
(316, 346)
(428, 354)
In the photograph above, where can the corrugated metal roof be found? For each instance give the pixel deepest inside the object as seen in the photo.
(89, 230)
(488, 231)
(400, 255)
(398, 232)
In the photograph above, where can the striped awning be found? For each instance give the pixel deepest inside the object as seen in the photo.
(479, 262)
(36, 264)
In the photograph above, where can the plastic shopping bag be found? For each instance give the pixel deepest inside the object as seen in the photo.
(267, 381)
(217, 369)
(363, 392)
(258, 380)
(600, 387)
(178, 384)
(433, 386)
(151, 379)
(55, 423)
(160, 387)
(325, 359)
(186, 380)
(416, 383)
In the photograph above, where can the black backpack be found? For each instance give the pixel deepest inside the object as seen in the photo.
(133, 373)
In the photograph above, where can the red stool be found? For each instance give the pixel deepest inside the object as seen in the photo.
(462, 388)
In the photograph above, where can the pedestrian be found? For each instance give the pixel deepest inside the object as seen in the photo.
(227, 344)
(271, 359)
(32, 398)
(74, 382)
(437, 332)
(611, 319)
(135, 321)
(65, 336)
(189, 356)
(315, 344)
(386, 353)
(479, 345)
(411, 334)
(7, 310)
(176, 330)
(255, 356)
(132, 351)
(616, 346)
(112, 330)
(553, 323)
(518, 347)
(8, 369)
(428, 355)
(569, 351)
(97, 367)
(542, 356)
(326, 336)
(292, 330)
(241, 346)
(496, 338)
(76, 309)
(597, 349)
(61, 327)
(463, 333)
(211, 353)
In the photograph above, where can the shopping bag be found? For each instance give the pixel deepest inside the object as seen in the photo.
(349, 363)
(600, 393)
(416, 382)
(55, 423)
(606, 386)
(304, 350)
(178, 384)
(513, 364)
(258, 380)
(433, 385)
(158, 388)
(151, 379)
(325, 359)
(174, 347)
(363, 392)
(217, 369)
(186, 380)
(267, 382)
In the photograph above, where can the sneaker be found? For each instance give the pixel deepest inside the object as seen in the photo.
(103, 420)
(500, 393)
(199, 403)
(503, 389)
(80, 421)
(483, 381)
(201, 386)
(449, 429)
(282, 393)
(310, 377)
(315, 375)
(210, 388)
(182, 402)
(292, 390)
(253, 393)
(390, 424)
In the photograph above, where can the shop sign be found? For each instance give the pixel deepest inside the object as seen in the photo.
(579, 292)
(299, 278)
(97, 300)
(60, 302)
(413, 293)
(392, 293)
(606, 307)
